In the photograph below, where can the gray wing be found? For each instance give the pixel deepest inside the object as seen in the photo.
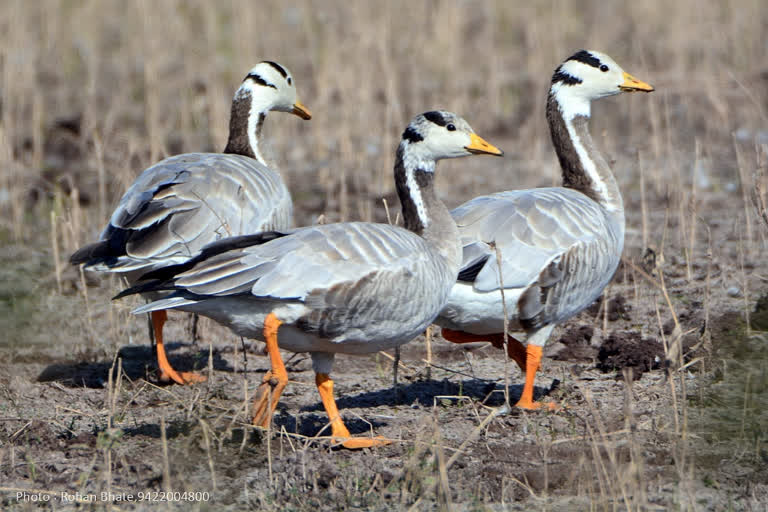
(182, 203)
(554, 240)
(347, 274)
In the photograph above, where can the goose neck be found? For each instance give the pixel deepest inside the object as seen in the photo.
(583, 167)
(245, 125)
(423, 211)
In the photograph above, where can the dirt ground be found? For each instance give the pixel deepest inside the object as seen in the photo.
(635, 430)
(662, 383)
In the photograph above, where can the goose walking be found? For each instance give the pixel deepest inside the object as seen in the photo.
(352, 288)
(185, 202)
(559, 246)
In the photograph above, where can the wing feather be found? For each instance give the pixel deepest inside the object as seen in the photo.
(568, 283)
(530, 228)
(348, 275)
(183, 203)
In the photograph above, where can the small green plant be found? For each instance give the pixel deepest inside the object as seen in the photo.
(109, 439)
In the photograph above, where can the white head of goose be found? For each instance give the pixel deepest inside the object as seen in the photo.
(184, 202)
(268, 86)
(352, 288)
(559, 246)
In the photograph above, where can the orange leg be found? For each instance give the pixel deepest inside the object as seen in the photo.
(532, 363)
(515, 349)
(338, 429)
(276, 378)
(166, 370)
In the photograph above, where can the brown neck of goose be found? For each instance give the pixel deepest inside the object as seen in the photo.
(240, 142)
(583, 167)
(423, 212)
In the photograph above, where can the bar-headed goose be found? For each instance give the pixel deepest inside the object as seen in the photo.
(352, 288)
(184, 202)
(559, 246)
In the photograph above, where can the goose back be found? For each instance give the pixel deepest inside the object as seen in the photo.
(182, 203)
(353, 281)
(559, 250)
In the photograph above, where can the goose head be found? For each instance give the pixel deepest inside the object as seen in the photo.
(590, 75)
(270, 86)
(430, 137)
(438, 134)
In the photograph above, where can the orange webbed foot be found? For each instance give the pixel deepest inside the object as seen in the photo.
(536, 406)
(357, 443)
(532, 363)
(182, 378)
(340, 435)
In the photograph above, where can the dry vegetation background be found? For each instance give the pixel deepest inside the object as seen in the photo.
(93, 92)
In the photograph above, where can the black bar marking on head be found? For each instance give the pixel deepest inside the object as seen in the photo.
(411, 135)
(436, 117)
(259, 80)
(280, 69)
(585, 57)
(562, 76)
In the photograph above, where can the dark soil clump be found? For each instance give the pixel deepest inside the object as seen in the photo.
(630, 350)
(759, 317)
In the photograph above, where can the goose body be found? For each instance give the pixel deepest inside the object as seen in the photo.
(533, 230)
(179, 205)
(559, 246)
(352, 288)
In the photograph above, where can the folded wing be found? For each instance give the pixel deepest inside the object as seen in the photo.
(555, 243)
(179, 205)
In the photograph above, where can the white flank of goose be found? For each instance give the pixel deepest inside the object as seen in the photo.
(559, 246)
(352, 288)
(185, 202)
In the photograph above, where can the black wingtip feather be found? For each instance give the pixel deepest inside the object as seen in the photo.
(470, 273)
(92, 253)
(161, 279)
(106, 251)
(153, 285)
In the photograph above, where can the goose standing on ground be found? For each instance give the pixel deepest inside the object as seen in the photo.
(352, 288)
(559, 246)
(185, 202)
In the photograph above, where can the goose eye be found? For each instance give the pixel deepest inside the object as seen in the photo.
(451, 127)
(290, 82)
(603, 68)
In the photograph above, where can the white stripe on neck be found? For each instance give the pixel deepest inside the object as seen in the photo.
(590, 168)
(572, 105)
(253, 119)
(415, 192)
(412, 163)
(253, 140)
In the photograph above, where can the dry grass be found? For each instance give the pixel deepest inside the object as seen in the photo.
(92, 92)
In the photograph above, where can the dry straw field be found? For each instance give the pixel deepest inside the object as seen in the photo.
(665, 378)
